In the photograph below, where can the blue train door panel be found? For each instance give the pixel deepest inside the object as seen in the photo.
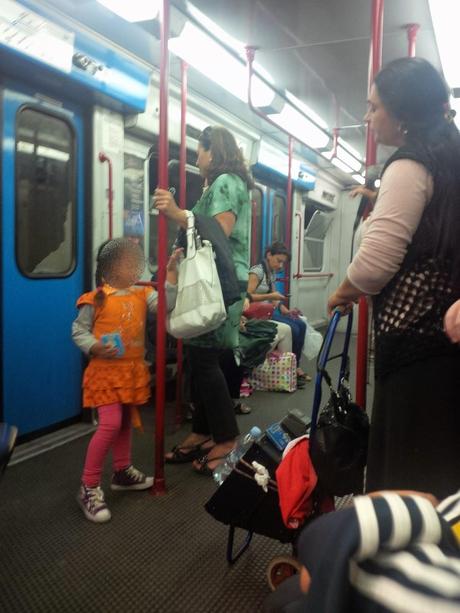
(41, 262)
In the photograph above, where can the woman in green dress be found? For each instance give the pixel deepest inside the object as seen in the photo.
(226, 199)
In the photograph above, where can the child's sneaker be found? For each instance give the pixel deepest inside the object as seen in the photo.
(91, 500)
(130, 479)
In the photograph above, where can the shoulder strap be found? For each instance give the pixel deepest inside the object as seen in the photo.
(267, 276)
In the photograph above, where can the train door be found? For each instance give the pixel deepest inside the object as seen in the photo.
(42, 260)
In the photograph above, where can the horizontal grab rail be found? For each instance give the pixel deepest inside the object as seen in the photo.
(147, 283)
(314, 275)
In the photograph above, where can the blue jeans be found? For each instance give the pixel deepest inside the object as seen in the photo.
(298, 328)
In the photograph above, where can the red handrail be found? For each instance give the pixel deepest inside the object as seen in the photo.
(254, 233)
(299, 239)
(183, 205)
(375, 62)
(159, 486)
(105, 158)
(153, 284)
(288, 215)
(412, 30)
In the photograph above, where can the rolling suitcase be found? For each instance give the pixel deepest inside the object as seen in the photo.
(240, 502)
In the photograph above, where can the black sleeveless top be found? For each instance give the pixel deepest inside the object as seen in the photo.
(409, 311)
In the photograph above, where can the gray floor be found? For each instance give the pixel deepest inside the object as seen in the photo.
(159, 554)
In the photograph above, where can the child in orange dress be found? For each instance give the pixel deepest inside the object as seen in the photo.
(110, 329)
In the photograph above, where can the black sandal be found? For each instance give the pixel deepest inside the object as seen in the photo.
(242, 409)
(179, 456)
(204, 468)
(300, 382)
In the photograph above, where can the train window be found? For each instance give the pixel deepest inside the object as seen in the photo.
(194, 191)
(256, 228)
(133, 209)
(279, 213)
(317, 223)
(45, 194)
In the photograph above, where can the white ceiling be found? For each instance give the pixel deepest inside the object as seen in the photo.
(319, 49)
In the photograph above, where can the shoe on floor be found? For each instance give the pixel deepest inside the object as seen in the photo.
(242, 409)
(130, 478)
(91, 501)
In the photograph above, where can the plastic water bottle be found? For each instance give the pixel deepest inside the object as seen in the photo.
(222, 470)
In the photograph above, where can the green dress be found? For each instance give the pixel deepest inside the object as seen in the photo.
(228, 193)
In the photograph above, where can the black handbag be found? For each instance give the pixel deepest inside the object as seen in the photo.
(338, 445)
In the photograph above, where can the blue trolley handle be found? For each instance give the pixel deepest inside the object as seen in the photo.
(323, 359)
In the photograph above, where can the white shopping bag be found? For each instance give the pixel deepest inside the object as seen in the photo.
(199, 305)
(313, 341)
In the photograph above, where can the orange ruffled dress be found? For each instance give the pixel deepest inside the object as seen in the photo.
(125, 379)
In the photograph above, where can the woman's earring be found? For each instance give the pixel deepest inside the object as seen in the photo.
(403, 129)
(449, 115)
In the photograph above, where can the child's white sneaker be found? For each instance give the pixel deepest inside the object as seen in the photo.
(130, 478)
(91, 501)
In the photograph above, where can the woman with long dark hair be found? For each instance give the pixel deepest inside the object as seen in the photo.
(226, 199)
(261, 288)
(409, 262)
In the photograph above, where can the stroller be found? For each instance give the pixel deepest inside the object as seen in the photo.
(240, 503)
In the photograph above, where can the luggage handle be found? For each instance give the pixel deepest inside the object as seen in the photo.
(324, 358)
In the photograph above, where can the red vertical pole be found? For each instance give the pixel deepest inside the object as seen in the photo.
(412, 30)
(159, 486)
(287, 274)
(182, 204)
(375, 62)
(104, 158)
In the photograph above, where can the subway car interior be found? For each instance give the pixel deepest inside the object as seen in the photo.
(103, 101)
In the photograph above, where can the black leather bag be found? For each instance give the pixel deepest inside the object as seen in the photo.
(338, 445)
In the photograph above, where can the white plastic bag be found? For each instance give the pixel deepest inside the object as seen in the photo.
(313, 341)
(199, 305)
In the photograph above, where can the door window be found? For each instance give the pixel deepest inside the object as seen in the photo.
(133, 208)
(193, 194)
(257, 225)
(45, 194)
(279, 213)
(317, 224)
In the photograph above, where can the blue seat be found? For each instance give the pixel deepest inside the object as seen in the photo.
(8, 436)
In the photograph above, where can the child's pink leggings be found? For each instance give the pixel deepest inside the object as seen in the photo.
(113, 432)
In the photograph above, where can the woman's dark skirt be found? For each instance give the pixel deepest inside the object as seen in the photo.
(415, 429)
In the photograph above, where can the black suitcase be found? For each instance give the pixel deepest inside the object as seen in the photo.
(240, 502)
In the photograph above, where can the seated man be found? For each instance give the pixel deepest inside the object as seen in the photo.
(387, 552)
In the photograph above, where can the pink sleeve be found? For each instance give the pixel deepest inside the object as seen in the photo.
(406, 188)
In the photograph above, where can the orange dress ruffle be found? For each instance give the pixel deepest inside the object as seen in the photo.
(117, 380)
(125, 379)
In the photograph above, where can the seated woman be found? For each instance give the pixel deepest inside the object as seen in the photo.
(261, 287)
